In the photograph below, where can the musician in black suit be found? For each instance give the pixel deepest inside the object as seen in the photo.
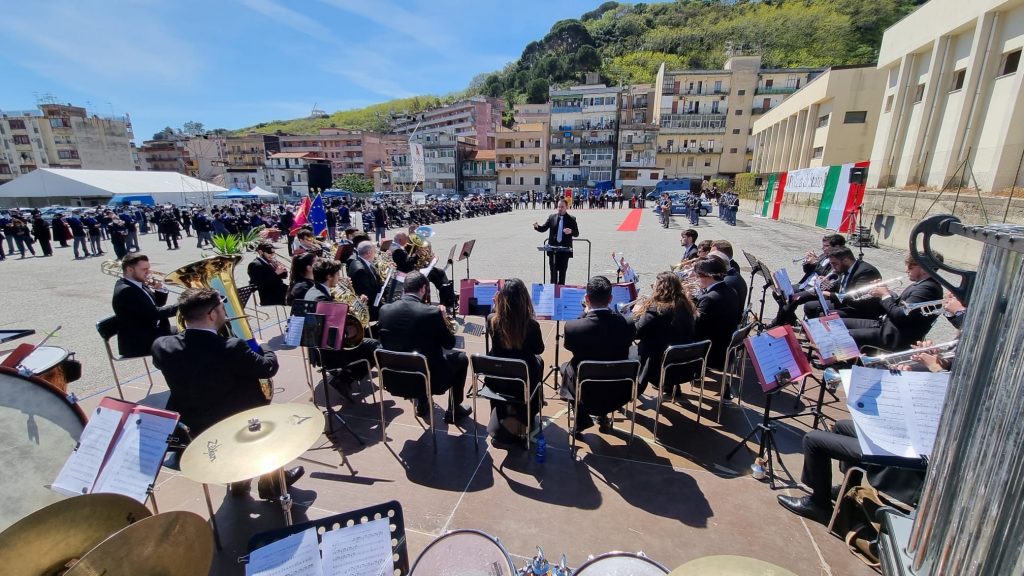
(688, 240)
(140, 304)
(301, 281)
(733, 277)
(813, 266)
(561, 228)
(599, 334)
(410, 325)
(212, 377)
(897, 329)
(852, 274)
(405, 262)
(365, 280)
(268, 275)
(718, 309)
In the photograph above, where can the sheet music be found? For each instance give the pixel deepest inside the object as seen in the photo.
(137, 456)
(620, 295)
(783, 282)
(844, 346)
(484, 294)
(825, 309)
(359, 550)
(426, 270)
(293, 336)
(774, 355)
(295, 555)
(569, 304)
(79, 472)
(543, 296)
(809, 281)
(924, 395)
(877, 407)
(383, 287)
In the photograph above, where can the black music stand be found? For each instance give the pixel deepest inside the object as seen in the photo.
(14, 334)
(450, 263)
(467, 251)
(312, 336)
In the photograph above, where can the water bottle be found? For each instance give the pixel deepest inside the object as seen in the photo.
(542, 447)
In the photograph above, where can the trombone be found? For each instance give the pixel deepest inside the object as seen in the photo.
(113, 268)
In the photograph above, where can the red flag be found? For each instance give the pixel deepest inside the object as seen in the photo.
(302, 216)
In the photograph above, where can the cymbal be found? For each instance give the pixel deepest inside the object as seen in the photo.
(251, 443)
(44, 541)
(729, 566)
(169, 544)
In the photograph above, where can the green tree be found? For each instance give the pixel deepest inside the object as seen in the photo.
(537, 91)
(356, 183)
(587, 59)
(193, 129)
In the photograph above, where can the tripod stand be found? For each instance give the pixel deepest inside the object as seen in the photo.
(766, 427)
(553, 370)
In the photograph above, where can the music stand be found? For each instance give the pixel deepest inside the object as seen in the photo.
(467, 251)
(315, 332)
(766, 427)
(451, 262)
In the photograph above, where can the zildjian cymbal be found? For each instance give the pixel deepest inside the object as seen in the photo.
(169, 544)
(729, 566)
(251, 443)
(44, 541)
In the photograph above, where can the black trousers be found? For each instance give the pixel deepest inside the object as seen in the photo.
(820, 448)
(45, 245)
(787, 313)
(558, 263)
(341, 358)
(458, 364)
(866, 332)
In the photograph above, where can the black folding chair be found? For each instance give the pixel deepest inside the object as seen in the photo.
(108, 328)
(688, 359)
(493, 370)
(593, 375)
(735, 360)
(401, 374)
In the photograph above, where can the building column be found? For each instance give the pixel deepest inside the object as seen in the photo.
(981, 68)
(795, 143)
(809, 127)
(1010, 143)
(787, 151)
(932, 106)
(901, 109)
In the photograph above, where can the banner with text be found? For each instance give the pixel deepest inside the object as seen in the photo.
(840, 198)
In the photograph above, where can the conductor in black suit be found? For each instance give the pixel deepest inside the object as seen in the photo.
(599, 334)
(140, 304)
(561, 229)
(268, 276)
(897, 329)
(212, 377)
(365, 281)
(410, 325)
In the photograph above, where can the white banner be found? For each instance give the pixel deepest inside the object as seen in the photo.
(416, 158)
(808, 180)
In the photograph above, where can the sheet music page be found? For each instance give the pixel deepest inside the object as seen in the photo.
(773, 355)
(293, 336)
(484, 293)
(620, 295)
(569, 304)
(876, 405)
(383, 287)
(543, 296)
(825, 309)
(809, 282)
(80, 470)
(820, 337)
(137, 456)
(295, 555)
(783, 282)
(429, 267)
(844, 346)
(359, 550)
(924, 393)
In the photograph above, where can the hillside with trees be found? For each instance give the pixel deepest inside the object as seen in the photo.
(626, 43)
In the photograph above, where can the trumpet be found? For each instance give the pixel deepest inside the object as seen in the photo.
(946, 350)
(684, 264)
(864, 292)
(929, 308)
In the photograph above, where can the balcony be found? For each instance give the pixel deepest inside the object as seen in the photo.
(485, 174)
(693, 124)
(584, 125)
(775, 89)
(520, 166)
(566, 109)
(597, 143)
(564, 164)
(638, 163)
(758, 110)
(689, 150)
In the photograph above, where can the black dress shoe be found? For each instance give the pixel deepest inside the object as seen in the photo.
(268, 484)
(804, 506)
(460, 413)
(604, 424)
(422, 409)
(583, 422)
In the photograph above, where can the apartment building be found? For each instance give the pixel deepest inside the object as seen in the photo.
(478, 173)
(62, 136)
(953, 97)
(583, 135)
(707, 115)
(829, 121)
(522, 157)
(286, 173)
(477, 117)
(349, 151)
(207, 157)
(166, 156)
(637, 168)
(245, 155)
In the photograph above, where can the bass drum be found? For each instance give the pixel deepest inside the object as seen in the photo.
(621, 564)
(40, 429)
(464, 553)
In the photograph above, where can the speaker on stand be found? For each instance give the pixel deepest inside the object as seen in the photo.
(319, 177)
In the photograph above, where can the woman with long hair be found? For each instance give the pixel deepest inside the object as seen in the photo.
(300, 281)
(515, 333)
(664, 319)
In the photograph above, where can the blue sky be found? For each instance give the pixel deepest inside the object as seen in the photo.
(232, 63)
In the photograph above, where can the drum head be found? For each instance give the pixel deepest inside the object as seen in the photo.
(43, 358)
(464, 553)
(621, 564)
(39, 430)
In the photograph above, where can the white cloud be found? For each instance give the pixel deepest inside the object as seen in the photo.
(290, 18)
(424, 28)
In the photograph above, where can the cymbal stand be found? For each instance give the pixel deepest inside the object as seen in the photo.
(286, 498)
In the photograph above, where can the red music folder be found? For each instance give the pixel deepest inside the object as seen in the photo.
(334, 324)
(776, 350)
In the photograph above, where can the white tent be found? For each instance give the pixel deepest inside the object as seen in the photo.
(264, 194)
(86, 187)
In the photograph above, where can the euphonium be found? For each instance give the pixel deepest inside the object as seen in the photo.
(358, 318)
(384, 263)
(420, 248)
(217, 272)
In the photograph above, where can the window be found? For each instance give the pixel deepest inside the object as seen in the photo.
(735, 130)
(654, 175)
(718, 85)
(5, 169)
(16, 124)
(1008, 65)
(21, 139)
(508, 180)
(888, 103)
(855, 117)
(741, 92)
(823, 120)
(818, 152)
(732, 150)
(919, 93)
(27, 169)
(689, 162)
(707, 162)
(536, 181)
(958, 80)
(739, 112)
(520, 180)
(67, 154)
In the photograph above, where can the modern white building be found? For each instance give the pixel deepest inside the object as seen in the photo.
(952, 97)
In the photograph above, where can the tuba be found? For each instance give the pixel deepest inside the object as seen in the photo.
(218, 273)
(358, 318)
(420, 248)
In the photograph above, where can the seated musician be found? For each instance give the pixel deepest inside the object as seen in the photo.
(211, 377)
(897, 328)
(301, 282)
(813, 266)
(851, 275)
(410, 325)
(268, 274)
(688, 240)
(515, 333)
(140, 304)
(305, 242)
(405, 262)
(733, 277)
(599, 334)
(718, 311)
(326, 274)
(366, 282)
(665, 319)
(703, 248)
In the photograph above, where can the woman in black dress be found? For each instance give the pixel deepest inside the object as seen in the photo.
(664, 319)
(300, 283)
(515, 333)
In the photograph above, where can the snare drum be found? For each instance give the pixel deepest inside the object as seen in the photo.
(47, 362)
(464, 553)
(39, 428)
(621, 564)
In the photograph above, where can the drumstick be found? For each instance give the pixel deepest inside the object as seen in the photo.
(48, 336)
(21, 366)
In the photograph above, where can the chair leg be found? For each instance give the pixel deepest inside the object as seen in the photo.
(632, 422)
(117, 379)
(476, 436)
(383, 432)
(280, 323)
(213, 517)
(657, 409)
(433, 431)
(149, 374)
(700, 399)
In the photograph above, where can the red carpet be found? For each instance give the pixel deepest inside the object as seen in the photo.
(632, 221)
